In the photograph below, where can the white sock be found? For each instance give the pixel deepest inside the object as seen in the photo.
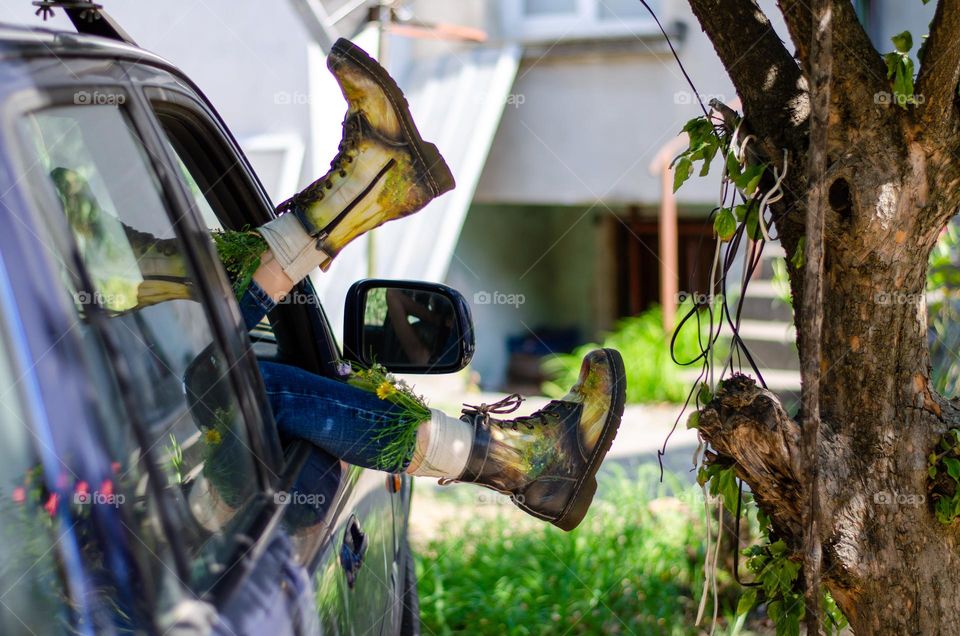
(443, 447)
(295, 250)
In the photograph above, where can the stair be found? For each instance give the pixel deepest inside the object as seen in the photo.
(767, 330)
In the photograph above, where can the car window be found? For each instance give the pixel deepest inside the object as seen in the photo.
(211, 180)
(135, 269)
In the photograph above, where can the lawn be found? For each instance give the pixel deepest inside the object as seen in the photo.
(635, 565)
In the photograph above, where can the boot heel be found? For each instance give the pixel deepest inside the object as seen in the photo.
(438, 172)
(579, 507)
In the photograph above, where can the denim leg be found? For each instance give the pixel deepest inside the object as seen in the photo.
(341, 419)
(255, 304)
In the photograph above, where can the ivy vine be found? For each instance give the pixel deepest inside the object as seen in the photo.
(943, 469)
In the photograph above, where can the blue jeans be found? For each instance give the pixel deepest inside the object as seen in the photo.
(342, 420)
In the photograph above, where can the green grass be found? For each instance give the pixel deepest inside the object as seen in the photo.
(631, 567)
(645, 346)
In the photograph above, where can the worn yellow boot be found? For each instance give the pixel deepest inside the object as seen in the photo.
(384, 170)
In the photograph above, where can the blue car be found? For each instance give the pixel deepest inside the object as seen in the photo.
(143, 485)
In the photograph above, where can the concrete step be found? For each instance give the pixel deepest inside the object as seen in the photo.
(758, 308)
(771, 354)
(769, 330)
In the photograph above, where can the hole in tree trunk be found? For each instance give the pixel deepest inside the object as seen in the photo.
(840, 199)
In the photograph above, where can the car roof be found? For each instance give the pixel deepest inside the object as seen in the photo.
(20, 42)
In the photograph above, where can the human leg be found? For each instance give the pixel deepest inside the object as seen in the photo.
(546, 461)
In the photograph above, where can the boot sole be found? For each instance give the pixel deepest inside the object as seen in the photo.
(577, 508)
(429, 163)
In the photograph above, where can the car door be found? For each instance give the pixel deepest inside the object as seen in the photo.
(196, 455)
(350, 546)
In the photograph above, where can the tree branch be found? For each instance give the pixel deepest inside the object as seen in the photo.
(767, 78)
(940, 70)
(858, 70)
(747, 424)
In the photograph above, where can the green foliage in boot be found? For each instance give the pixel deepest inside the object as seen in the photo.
(240, 253)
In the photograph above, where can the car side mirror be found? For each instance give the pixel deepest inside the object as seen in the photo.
(407, 326)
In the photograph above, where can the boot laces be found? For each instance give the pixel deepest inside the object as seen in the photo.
(505, 406)
(315, 191)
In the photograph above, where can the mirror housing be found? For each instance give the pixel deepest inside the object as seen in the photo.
(407, 326)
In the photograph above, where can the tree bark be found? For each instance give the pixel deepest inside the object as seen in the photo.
(892, 182)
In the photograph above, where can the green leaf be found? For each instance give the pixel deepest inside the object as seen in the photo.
(953, 467)
(725, 224)
(778, 548)
(747, 601)
(751, 178)
(704, 395)
(891, 59)
(753, 223)
(944, 511)
(733, 166)
(788, 575)
(903, 82)
(681, 172)
(932, 470)
(694, 420)
(707, 154)
(775, 610)
(903, 41)
(797, 259)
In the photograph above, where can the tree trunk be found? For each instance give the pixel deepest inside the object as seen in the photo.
(893, 182)
(891, 566)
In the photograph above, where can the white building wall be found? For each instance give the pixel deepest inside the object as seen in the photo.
(586, 128)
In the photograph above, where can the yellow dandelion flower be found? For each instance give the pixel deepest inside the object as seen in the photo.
(212, 437)
(385, 390)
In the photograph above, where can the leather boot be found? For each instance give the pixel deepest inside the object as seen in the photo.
(547, 462)
(383, 171)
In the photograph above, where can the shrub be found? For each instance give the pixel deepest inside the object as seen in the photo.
(632, 567)
(651, 375)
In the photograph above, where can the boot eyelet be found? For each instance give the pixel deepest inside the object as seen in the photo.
(343, 173)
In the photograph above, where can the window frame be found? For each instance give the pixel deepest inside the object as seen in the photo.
(42, 209)
(582, 23)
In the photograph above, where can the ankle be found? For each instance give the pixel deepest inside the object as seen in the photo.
(443, 447)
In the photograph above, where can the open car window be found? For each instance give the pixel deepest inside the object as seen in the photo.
(214, 183)
(133, 270)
